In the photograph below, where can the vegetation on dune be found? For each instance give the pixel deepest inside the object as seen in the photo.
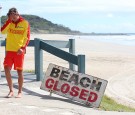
(109, 104)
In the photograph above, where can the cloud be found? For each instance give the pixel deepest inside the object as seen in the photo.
(110, 15)
(108, 28)
(59, 6)
(87, 5)
(71, 6)
(98, 15)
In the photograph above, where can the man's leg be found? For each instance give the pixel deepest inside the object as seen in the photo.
(9, 81)
(20, 83)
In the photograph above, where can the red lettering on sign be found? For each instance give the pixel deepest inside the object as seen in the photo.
(83, 94)
(49, 83)
(56, 86)
(65, 88)
(74, 91)
(93, 97)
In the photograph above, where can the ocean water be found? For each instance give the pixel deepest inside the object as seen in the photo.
(116, 39)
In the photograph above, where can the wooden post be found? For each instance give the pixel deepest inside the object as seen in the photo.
(38, 60)
(81, 63)
(35, 57)
(72, 50)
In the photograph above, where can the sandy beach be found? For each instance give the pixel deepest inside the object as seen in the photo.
(108, 61)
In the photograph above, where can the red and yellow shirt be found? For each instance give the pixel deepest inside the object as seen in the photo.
(18, 34)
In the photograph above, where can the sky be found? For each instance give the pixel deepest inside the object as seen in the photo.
(99, 16)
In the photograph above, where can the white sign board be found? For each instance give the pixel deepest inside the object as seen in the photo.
(79, 87)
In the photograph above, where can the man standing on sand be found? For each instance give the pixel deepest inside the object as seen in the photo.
(18, 36)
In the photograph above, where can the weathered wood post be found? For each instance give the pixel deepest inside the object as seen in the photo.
(72, 50)
(38, 60)
(81, 63)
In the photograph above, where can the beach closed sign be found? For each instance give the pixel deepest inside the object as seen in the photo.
(78, 87)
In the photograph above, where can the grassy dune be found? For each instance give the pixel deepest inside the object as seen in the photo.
(109, 104)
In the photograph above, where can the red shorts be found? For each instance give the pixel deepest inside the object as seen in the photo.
(12, 58)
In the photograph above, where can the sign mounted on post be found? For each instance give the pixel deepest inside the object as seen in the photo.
(79, 87)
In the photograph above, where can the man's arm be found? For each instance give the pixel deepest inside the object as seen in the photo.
(5, 27)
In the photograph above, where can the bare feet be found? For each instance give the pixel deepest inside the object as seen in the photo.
(19, 95)
(11, 94)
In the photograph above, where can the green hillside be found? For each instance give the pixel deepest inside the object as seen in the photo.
(41, 25)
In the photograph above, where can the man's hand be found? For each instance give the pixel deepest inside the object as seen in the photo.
(10, 17)
(20, 51)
